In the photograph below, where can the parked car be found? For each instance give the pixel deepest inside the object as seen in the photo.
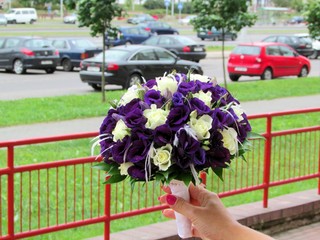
(184, 47)
(315, 44)
(128, 65)
(302, 46)
(22, 15)
(73, 50)
(186, 20)
(3, 20)
(127, 35)
(267, 60)
(73, 18)
(18, 54)
(158, 28)
(215, 34)
(296, 20)
(141, 18)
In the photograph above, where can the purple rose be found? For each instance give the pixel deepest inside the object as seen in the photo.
(204, 86)
(137, 173)
(177, 99)
(151, 83)
(109, 122)
(138, 150)
(178, 116)
(162, 135)
(119, 150)
(221, 119)
(187, 150)
(187, 87)
(222, 95)
(154, 97)
(200, 106)
(135, 118)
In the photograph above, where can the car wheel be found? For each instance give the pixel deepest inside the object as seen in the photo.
(202, 39)
(32, 21)
(67, 65)
(128, 43)
(267, 74)
(234, 77)
(18, 67)
(50, 70)
(96, 87)
(303, 72)
(133, 79)
(314, 55)
(233, 37)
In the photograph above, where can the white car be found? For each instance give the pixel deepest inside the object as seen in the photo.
(3, 20)
(315, 44)
(70, 18)
(186, 20)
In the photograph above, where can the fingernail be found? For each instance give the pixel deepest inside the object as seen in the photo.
(171, 199)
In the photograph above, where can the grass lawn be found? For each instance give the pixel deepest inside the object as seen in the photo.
(36, 110)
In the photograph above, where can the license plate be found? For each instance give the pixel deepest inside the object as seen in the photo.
(241, 69)
(202, 33)
(93, 69)
(198, 49)
(46, 62)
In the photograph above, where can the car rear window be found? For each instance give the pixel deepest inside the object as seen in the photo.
(113, 54)
(247, 50)
(35, 43)
(83, 43)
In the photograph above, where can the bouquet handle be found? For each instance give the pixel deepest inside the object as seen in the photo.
(179, 188)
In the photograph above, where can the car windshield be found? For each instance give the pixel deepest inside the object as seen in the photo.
(248, 50)
(37, 43)
(82, 43)
(113, 54)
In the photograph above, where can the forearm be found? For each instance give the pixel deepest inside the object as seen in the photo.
(241, 232)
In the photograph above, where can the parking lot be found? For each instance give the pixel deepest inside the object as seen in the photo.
(39, 84)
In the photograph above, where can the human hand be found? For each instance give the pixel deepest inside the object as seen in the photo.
(210, 219)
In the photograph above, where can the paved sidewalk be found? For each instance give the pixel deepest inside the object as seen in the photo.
(93, 124)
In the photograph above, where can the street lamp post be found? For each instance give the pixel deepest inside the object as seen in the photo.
(61, 8)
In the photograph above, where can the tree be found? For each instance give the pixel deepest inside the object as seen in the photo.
(98, 14)
(227, 15)
(312, 14)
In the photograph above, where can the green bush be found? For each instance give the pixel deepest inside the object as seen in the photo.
(153, 4)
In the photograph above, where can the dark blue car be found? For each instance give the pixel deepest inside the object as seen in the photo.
(73, 50)
(126, 35)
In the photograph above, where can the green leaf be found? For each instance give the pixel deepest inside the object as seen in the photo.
(102, 166)
(253, 135)
(218, 171)
(115, 179)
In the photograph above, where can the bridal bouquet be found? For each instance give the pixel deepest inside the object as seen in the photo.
(170, 129)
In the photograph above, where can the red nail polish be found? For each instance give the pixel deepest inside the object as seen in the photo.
(171, 199)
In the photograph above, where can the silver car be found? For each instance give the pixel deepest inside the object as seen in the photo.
(3, 20)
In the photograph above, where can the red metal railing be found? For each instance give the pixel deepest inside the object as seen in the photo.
(67, 193)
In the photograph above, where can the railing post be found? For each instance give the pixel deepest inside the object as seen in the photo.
(319, 173)
(107, 212)
(10, 164)
(267, 161)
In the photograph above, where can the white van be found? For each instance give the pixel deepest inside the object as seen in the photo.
(22, 15)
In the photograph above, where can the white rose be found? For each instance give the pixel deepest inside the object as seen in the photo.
(201, 125)
(120, 131)
(132, 93)
(204, 97)
(238, 111)
(230, 140)
(155, 116)
(203, 78)
(167, 84)
(124, 168)
(162, 157)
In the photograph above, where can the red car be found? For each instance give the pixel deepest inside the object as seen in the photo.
(267, 60)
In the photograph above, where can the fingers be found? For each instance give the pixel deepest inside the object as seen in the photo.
(169, 213)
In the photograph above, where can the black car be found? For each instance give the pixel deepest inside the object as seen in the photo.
(184, 47)
(158, 27)
(302, 46)
(18, 54)
(73, 50)
(140, 18)
(128, 65)
(127, 35)
(215, 34)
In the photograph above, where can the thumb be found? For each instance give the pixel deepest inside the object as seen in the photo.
(180, 205)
